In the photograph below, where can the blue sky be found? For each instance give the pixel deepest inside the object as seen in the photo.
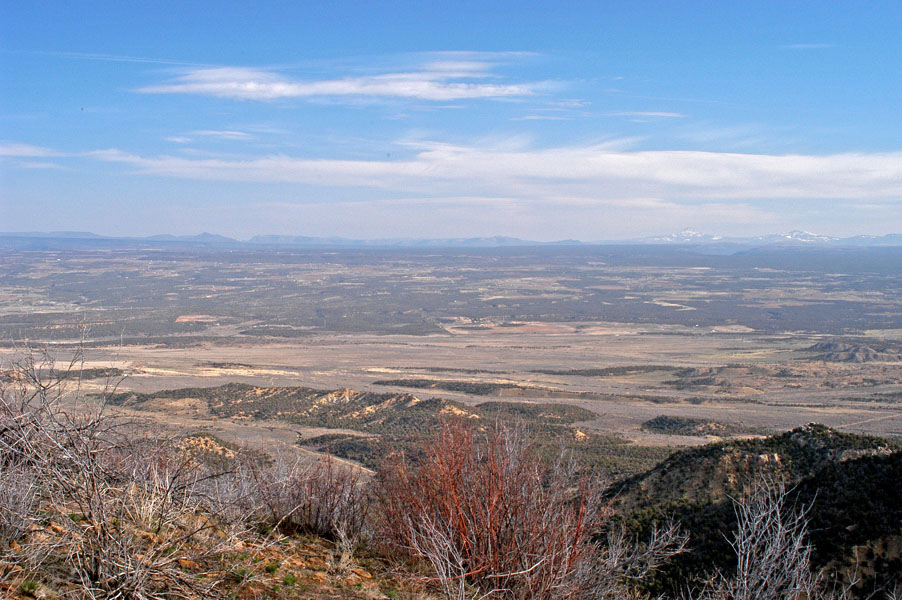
(588, 120)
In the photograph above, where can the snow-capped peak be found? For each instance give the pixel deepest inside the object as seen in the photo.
(686, 235)
(806, 237)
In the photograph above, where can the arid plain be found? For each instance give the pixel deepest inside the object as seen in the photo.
(747, 344)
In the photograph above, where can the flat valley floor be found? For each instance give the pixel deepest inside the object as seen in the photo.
(627, 335)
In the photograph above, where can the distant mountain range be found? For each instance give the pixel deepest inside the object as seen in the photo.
(686, 237)
(474, 242)
(803, 238)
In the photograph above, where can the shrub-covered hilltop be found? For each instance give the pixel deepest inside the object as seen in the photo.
(850, 487)
(497, 501)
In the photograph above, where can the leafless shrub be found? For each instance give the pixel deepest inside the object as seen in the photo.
(492, 514)
(297, 494)
(139, 519)
(18, 488)
(233, 495)
(29, 404)
(124, 513)
(622, 559)
(435, 542)
(772, 552)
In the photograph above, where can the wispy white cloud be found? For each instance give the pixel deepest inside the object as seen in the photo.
(225, 134)
(599, 173)
(30, 164)
(435, 81)
(25, 150)
(647, 113)
(583, 189)
(541, 118)
(222, 134)
(110, 57)
(568, 103)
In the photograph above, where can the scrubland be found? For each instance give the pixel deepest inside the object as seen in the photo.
(96, 506)
(591, 422)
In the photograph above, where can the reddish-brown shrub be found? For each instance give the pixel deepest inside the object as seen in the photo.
(485, 509)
